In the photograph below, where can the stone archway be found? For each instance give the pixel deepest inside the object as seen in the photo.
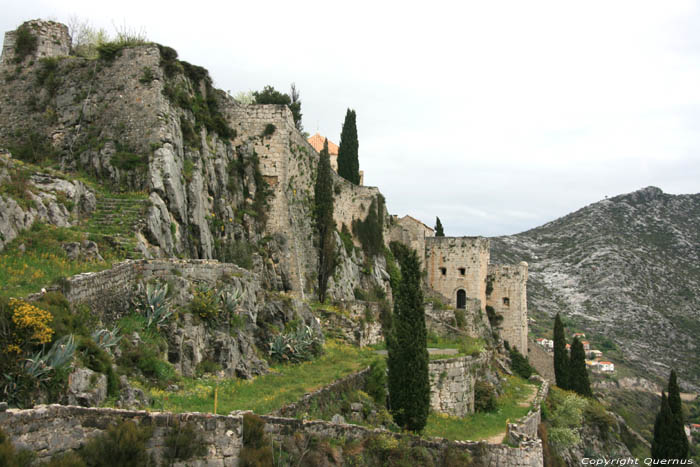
(461, 299)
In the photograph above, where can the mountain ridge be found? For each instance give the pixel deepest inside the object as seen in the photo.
(624, 268)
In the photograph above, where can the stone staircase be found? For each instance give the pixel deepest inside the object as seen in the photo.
(118, 218)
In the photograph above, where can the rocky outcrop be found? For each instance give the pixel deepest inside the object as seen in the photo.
(86, 388)
(29, 197)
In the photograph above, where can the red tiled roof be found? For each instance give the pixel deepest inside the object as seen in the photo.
(317, 142)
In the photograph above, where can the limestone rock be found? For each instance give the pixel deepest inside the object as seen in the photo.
(86, 388)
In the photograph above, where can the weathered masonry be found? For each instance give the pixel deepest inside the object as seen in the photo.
(458, 268)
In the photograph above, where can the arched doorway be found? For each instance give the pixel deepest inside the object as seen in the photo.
(461, 299)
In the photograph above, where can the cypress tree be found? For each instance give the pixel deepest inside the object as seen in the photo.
(578, 375)
(561, 357)
(438, 228)
(348, 162)
(678, 427)
(323, 192)
(409, 383)
(669, 442)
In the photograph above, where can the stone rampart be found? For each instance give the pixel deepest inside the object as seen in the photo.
(108, 292)
(508, 298)
(52, 40)
(452, 383)
(54, 429)
(324, 396)
(525, 428)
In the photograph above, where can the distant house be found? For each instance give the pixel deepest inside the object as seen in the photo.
(607, 367)
(586, 345)
(580, 335)
(694, 427)
(594, 354)
(568, 347)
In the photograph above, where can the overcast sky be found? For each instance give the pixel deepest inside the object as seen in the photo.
(495, 116)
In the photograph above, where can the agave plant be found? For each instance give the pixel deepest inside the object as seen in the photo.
(152, 301)
(297, 346)
(230, 300)
(41, 365)
(105, 338)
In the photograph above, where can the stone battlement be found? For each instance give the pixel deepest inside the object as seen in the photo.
(52, 40)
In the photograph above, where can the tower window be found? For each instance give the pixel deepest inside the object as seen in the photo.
(462, 271)
(443, 271)
(506, 301)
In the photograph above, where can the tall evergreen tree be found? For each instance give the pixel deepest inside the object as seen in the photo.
(438, 228)
(578, 375)
(669, 437)
(348, 162)
(409, 383)
(561, 357)
(678, 428)
(325, 224)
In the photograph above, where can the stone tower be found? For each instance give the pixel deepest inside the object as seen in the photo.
(508, 297)
(457, 268)
(52, 40)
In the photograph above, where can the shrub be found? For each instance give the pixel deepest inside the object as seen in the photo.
(205, 304)
(183, 442)
(31, 146)
(460, 318)
(25, 42)
(269, 130)
(48, 76)
(484, 397)
(520, 364)
(346, 237)
(125, 160)
(376, 381)
(207, 366)
(120, 445)
(10, 457)
(596, 415)
(370, 231)
(494, 318)
(255, 452)
(97, 359)
(147, 75)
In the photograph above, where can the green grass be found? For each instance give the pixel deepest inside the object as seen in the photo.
(480, 426)
(264, 394)
(44, 261)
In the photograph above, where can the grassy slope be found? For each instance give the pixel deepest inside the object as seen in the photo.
(264, 394)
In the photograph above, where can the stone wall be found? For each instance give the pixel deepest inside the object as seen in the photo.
(525, 428)
(452, 384)
(509, 299)
(53, 40)
(542, 360)
(327, 394)
(51, 430)
(411, 232)
(443, 320)
(108, 292)
(454, 255)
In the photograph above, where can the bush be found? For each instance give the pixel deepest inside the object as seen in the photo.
(97, 359)
(370, 231)
(10, 457)
(207, 366)
(460, 318)
(520, 364)
(596, 415)
(376, 381)
(269, 130)
(183, 442)
(121, 445)
(31, 146)
(255, 452)
(484, 397)
(205, 304)
(25, 42)
(125, 160)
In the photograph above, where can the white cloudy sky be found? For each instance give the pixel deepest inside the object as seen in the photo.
(496, 116)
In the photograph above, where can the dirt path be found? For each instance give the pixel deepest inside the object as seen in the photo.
(498, 439)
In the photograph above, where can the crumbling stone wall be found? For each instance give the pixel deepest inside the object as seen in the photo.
(108, 293)
(454, 254)
(411, 232)
(526, 427)
(509, 299)
(54, 429)
(452, 383)
(53, 40)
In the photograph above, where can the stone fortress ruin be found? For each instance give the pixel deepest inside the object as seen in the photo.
(189, 214)
(458, 268)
